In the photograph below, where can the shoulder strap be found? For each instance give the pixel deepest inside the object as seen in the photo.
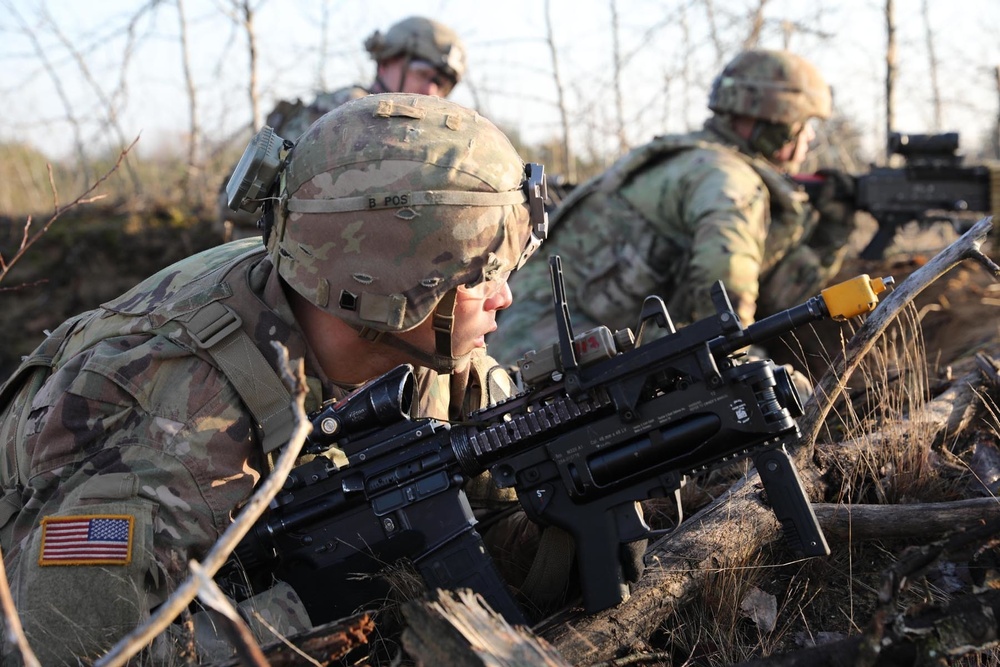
(217, 329)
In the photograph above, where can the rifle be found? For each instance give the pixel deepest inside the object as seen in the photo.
(932, 186)
(604, 421)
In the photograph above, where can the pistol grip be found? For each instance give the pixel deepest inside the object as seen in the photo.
(789, 502)
(601, 576)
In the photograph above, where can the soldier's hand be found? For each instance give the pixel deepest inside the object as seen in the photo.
(835, 205)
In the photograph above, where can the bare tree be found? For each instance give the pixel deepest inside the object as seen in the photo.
(933, 63)
(110, 104)
(616, 55)
(243, 13)
(686, 65)
(194, 130)
(756, 26)
(563, 116)
(713, 33)
(79, 143)
(324, 45)
(890, 71)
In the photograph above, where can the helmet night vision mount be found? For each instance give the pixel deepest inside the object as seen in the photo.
(257, 170)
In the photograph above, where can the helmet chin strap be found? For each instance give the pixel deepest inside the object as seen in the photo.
(383, 88)
(442, 321)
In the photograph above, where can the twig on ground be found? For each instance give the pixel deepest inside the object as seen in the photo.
(12, 622)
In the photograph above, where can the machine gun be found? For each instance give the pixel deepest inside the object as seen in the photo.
(932, 186)
(604, 421)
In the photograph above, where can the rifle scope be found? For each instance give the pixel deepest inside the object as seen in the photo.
(384, 401)
(915, 145)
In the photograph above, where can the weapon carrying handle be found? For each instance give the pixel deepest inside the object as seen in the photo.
(789, 502)
(463, 562)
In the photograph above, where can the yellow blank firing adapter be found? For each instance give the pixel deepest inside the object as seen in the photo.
(854, 297)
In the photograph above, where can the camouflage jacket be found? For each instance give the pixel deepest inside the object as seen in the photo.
(135, 437)
(290, 120)
(670, 218)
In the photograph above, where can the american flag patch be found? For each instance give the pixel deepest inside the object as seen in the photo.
(86, 540)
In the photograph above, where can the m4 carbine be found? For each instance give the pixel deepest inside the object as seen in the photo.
(933, 185)
(604, 421)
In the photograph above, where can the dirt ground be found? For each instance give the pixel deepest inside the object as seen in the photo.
(86, 258)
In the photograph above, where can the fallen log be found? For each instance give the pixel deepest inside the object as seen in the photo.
(916, 520)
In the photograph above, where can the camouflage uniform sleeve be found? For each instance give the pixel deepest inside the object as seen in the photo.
(728, 214)
(138, 454)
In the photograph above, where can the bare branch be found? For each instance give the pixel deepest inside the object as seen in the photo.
(756, 26)
(42, 53)
(617, 59)
(194, 129)
(110, 109)
(890, 72)
(28, 240)
(12, 622)
(933, 64)
(568, 161)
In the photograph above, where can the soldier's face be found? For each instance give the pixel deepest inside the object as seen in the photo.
(793, 154)
(417, 77)
(475, 317)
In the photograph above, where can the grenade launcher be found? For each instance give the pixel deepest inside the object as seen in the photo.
(603, 421)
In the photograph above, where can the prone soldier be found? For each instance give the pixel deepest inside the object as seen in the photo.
(136, 431)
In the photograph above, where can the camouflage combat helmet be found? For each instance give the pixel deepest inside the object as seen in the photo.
(390, 202)
(419, 38)
(775, 86)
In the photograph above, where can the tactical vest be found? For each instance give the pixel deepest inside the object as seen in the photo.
(789, 204)
(613, 270)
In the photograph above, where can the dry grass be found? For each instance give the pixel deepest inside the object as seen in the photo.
(822, 600)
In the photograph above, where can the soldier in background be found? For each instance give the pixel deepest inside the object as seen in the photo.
(136, 431)
(416, 55)
(683, 211)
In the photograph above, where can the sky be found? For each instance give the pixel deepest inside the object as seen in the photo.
(82, 69)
